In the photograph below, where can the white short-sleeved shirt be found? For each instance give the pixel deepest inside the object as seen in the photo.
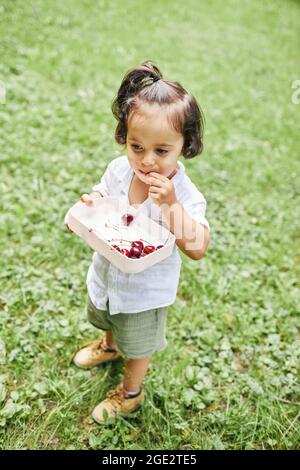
(155, 286)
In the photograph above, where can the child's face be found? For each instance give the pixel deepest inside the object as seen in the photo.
(152, 144)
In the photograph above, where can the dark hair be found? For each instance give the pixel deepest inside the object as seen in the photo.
(145, 83)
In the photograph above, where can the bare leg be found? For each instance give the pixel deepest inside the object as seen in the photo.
(135, 371)
(110, 341)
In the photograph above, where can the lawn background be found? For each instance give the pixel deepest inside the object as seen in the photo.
(228, 379)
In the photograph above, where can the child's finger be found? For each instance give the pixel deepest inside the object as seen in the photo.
(154, 189)
(86, 198)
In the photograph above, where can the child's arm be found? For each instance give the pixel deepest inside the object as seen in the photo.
(191, 237)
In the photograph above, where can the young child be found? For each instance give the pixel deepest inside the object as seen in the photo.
(158, 121)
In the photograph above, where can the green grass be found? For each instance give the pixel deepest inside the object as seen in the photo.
(228, 379)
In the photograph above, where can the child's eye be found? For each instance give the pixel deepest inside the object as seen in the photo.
(137, 148)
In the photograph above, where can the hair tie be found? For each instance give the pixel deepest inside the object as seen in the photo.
(150, 80)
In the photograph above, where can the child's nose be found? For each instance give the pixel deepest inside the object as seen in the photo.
(148, 160)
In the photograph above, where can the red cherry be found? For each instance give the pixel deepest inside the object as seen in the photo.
(125, 252)
(159, 246)
(135, 252)
(127, 219)
(116, 247)
(149, 249)
(138, 244)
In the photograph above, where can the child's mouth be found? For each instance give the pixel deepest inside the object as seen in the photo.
(144, 173)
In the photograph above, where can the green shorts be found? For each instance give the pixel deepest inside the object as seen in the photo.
(137, 335)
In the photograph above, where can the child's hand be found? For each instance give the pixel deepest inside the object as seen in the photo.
(88, 200)
(162, 190)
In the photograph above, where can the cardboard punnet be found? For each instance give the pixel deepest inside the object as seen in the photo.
(101, 226)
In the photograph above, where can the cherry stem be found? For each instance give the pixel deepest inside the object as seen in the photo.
(142, 240)
(115, 226)
(129, 241)
(124, 240)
